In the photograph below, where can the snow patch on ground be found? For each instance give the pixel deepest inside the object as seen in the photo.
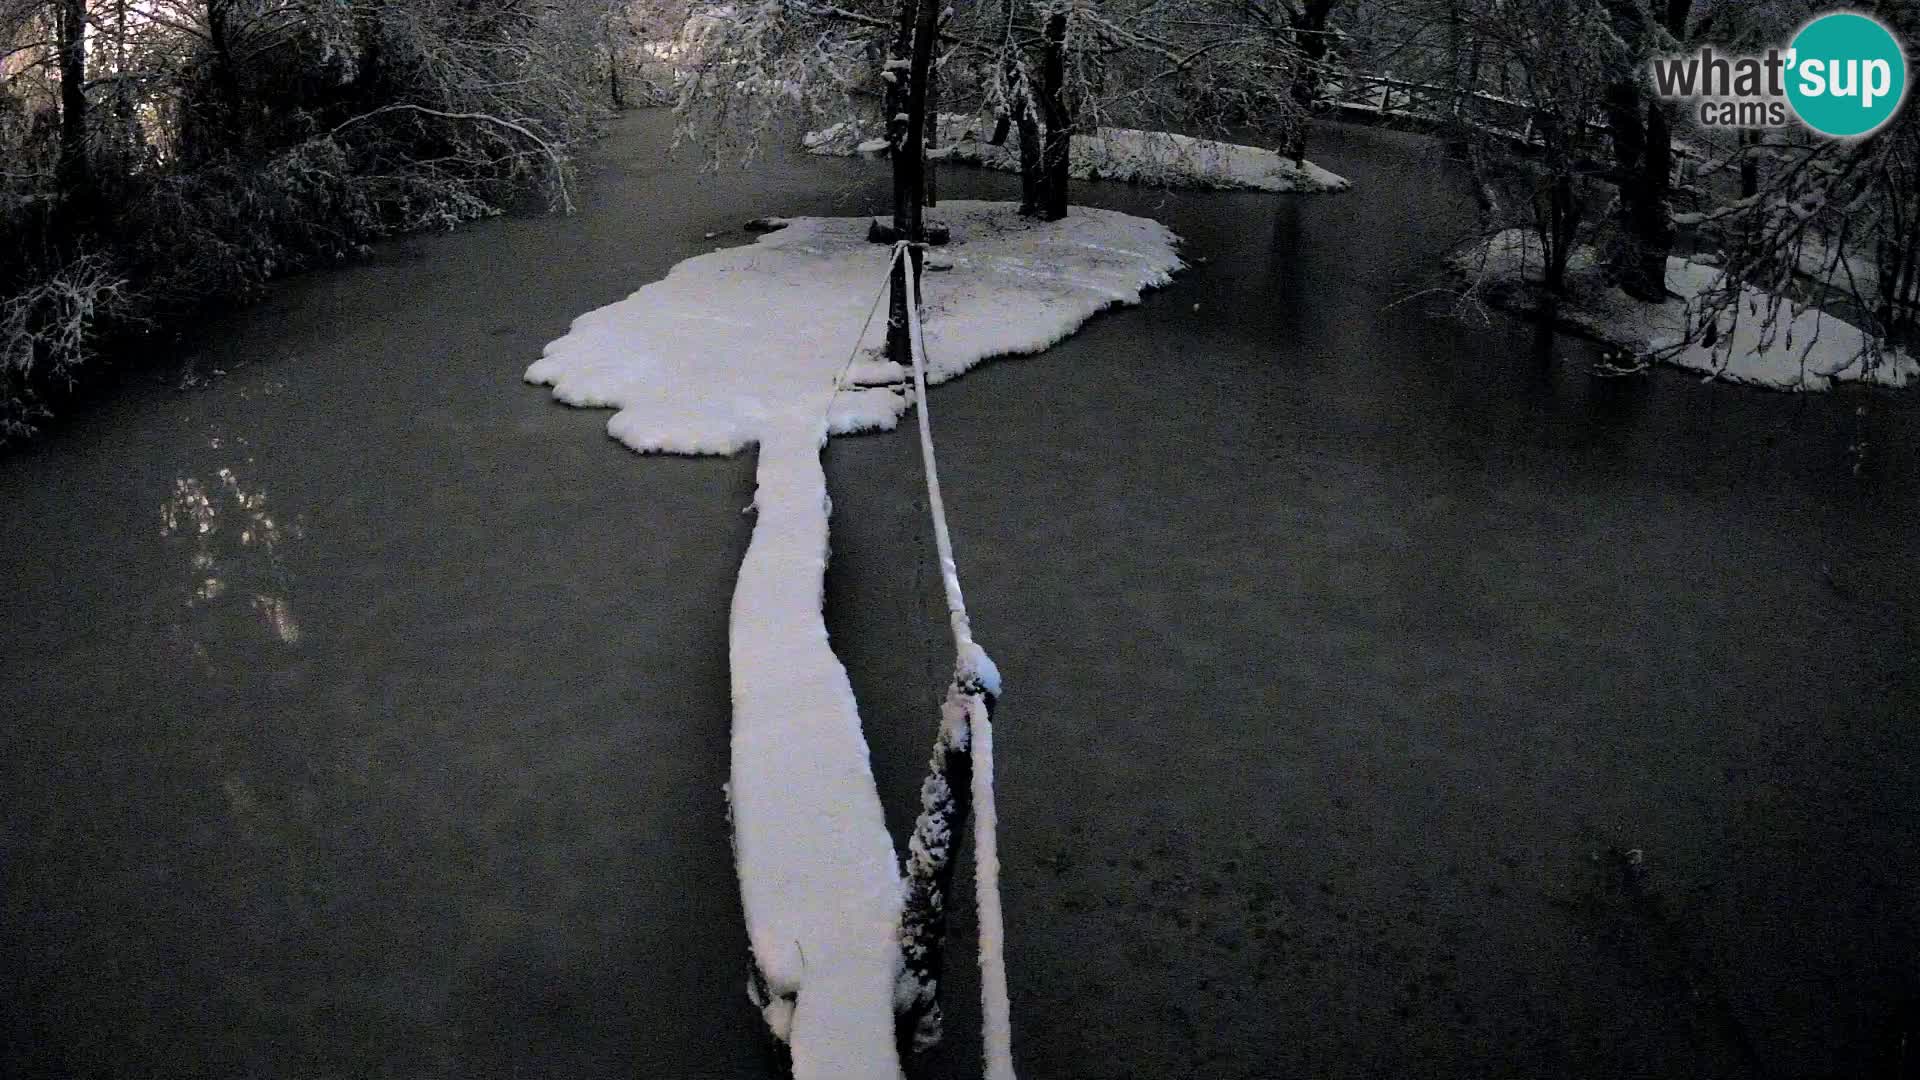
(750, 346)
(1809, 350)
(1127, 155)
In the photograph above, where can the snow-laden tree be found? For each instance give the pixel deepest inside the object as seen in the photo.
(1552, 102)
(1542, 168)
(43, 53)
(159, 154)
(1038, 73)
(747, 69)
(1554, 106)
(1640, 129)
(1827, 222)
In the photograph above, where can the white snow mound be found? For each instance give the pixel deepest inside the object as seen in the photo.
(1127, 155)
(1809, 350)
(746, 346)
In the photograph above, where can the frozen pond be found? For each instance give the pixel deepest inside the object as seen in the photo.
(365, 713)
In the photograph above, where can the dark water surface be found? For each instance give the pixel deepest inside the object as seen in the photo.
(365, 713)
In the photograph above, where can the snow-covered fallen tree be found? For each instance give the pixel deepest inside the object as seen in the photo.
(750, 346)
(1804, 348)
(1127, 155)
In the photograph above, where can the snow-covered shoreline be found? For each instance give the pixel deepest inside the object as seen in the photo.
(1809, 350)
(745, 346)
(1125, 155)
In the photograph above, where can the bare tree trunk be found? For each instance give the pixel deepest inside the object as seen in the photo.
(1675, 19)
(1033, 181)
(126, 138)
(76, 177)
(226, 78)
(1898, 305)
(1057, 151)
(906, 122)
(609, 29)
(1652, 221)
(914, 158)
(932, 110)
(1643, 160)
(1643, 157)
(1309, 25)
(1560, 232)
(1473, 62)
(1557, 241)
(1749, 163)
(899, 64)
(1557, 213)
(1021, 116)
(1456, 52)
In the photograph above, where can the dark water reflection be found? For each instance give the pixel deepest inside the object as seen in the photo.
(1351, 645)
(365, 713)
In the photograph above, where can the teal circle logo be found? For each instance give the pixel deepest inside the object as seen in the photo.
(1846, 75)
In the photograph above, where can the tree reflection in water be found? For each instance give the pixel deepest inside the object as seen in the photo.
(234, 547)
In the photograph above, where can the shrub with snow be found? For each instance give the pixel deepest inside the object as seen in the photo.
(1801, 348)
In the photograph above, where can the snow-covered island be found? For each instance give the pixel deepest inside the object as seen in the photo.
(750, 346)
(1807, 349)
(1126, 155)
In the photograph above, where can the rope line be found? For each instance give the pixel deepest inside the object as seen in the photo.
(840, 380)
(996, 1023)
(943, 541)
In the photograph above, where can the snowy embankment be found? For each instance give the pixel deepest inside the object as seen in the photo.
(1807, 349)
(749, 346)
(1126, 155)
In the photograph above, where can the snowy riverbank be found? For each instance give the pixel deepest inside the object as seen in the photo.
(1126, 155)
(1808, 349)
(746, 346)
